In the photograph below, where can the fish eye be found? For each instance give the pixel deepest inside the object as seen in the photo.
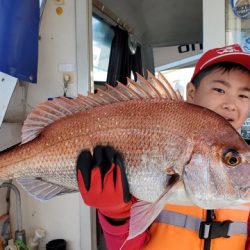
(232, 158)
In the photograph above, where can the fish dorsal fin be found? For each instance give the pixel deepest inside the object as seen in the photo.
(50, 111)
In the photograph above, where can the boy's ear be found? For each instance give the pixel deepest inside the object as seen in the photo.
(190, 92)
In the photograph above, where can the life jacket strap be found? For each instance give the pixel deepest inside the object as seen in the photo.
(204, 229)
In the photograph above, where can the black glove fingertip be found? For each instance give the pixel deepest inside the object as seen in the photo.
(84, 163)
(109, 153)
(120, 162)
(98, 155)
(103, 157)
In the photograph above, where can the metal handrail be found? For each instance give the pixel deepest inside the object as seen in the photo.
(18, 203)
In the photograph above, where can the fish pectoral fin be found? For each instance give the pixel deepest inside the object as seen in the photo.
(41, 189)
(144, 213)
(142, 216)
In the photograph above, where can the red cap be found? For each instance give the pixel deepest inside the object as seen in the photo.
(231, 53)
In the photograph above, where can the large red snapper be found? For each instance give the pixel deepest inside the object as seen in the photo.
(174, 151)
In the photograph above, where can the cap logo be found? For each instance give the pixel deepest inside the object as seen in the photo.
(227, 50)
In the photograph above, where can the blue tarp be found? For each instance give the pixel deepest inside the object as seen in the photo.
(19, 25)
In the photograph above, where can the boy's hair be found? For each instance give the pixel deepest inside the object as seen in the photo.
(219, 56)
(223, 66)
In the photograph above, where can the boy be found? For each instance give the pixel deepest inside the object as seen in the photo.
(221, 82)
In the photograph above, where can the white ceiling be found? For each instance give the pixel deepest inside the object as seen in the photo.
(161, 22)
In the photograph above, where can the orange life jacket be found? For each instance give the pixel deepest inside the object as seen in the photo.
(177, 228)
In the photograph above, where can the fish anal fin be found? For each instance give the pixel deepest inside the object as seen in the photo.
(41, 189)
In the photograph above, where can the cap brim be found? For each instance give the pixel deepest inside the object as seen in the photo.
(239, 58)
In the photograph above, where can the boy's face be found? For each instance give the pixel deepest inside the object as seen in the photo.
(226, 93)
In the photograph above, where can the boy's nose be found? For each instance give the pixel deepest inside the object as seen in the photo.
(229, 106)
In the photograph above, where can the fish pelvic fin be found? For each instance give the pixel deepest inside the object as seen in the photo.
(50, 111)
(42, 190)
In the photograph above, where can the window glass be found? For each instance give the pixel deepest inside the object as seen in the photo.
(238, 23)
(178, 78)
(102, 39)
(238, 31)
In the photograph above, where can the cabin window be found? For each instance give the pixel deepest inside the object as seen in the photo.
(238, 23)
(238, 31)
(102, 38)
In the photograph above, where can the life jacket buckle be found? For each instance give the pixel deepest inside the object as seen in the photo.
(214, 229)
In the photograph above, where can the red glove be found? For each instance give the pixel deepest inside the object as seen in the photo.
(103, 183)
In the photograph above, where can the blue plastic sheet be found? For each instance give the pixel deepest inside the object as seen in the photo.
(19, 25)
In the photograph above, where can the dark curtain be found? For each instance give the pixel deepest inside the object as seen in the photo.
(136, 64)
(121, 62)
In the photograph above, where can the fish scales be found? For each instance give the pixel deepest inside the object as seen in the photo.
(158, 136)
(95, 126)
(55, 150)
(155, 129)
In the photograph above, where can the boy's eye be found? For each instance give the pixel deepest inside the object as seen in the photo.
(219, 90)
(243, 96)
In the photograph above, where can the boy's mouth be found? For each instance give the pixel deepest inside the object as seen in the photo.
(229, 119)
